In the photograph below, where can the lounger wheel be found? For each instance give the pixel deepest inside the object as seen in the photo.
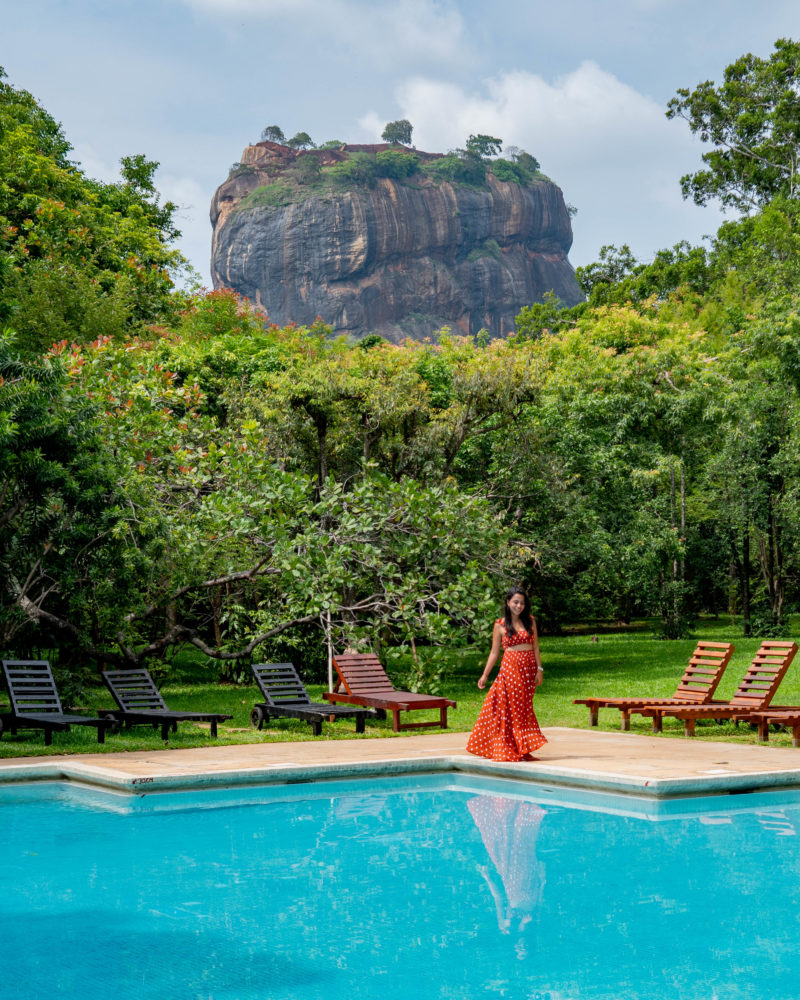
(258, 718)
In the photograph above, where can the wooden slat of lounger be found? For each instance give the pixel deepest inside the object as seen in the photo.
(140, 702)
(697, 686)
(134, 690)
(285, 695)
(31, 687)
(767, 670)
(755, 692)
(280, 684)
(34, 700)
(363, 674)
(367, 683)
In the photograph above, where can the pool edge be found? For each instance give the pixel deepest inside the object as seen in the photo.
(538, 773)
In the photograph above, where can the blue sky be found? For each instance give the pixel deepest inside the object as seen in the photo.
(581, 84)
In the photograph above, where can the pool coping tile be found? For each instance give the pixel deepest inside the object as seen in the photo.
(629, 763)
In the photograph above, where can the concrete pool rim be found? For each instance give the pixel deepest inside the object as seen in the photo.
(80, 772)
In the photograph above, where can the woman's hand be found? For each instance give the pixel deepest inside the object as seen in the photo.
(482, 682)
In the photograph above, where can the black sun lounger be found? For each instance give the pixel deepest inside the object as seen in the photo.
(285, 695)
(140, 703)
(35, 703)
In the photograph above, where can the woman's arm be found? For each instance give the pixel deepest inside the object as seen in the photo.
(497, 645)
(537, 655)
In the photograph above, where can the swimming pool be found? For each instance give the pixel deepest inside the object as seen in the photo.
(433, 886)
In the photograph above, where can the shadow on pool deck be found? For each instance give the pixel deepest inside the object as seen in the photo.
(625, 762)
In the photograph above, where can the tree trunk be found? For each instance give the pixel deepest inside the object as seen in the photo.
(746, 580)
(740, 559)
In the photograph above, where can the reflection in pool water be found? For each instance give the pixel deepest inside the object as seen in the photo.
(423, 887)
(509, 828)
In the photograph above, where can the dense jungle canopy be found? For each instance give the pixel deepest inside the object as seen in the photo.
(173, 471)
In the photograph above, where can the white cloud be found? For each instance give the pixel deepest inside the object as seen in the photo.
(610, 149)
(415, 30)
(94, 164)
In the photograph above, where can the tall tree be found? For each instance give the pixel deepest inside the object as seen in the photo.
(78, 258)
(301, 141)
(398, 133)
(753, 122)
(273, 133)
(483, 145)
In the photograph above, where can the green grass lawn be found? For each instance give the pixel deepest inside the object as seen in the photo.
(581, 664)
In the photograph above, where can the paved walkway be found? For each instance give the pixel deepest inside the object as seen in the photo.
(625, 762)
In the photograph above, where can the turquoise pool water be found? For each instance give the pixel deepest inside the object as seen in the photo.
(431, 887)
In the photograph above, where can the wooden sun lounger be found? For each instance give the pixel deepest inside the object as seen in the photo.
(787, 716)
(363, 681)
(35, 703)
(697, 686)
(140, 703)
(755, 692)
(285, 695)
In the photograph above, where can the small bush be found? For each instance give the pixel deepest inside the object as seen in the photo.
(240, 170)
(677, 621)
(490, 248)
(267, 196)
(358, 170)
(515, 173)
(392, 163)
(459, 169)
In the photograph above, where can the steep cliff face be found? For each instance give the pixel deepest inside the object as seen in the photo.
(403, 258)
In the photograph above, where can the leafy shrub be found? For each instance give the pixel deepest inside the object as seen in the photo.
(358, 170)
(677, 621)
(434, 370)
(459, 169)
(490, 248)
(267, 196)
(307, 169)
(393, 163)
(371, 340)
(425, 674)
(515, 173)
(240, 169)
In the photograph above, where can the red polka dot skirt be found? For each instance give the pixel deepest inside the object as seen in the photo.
(507, 728)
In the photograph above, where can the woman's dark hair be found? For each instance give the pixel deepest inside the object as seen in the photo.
(526, 617)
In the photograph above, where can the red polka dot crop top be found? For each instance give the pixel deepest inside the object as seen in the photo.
(521, 638)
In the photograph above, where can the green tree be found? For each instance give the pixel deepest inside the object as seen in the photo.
(69, 573)
(78, 258)
(484, 145)
(398, 133)
(614, 265)
(273, 133)
(548, 316)
(459, 167)
(306, 169)
(508, 170)
(301, 141)
(358, 168)
(753, 122)
(396, 164)
(523, 159)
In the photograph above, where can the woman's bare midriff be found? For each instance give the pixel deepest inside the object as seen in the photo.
(523, 648)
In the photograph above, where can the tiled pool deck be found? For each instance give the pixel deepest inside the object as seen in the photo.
(625, 762)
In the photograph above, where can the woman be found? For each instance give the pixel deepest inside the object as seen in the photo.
(507, 728)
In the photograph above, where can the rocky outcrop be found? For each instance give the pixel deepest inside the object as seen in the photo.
(402, 258)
